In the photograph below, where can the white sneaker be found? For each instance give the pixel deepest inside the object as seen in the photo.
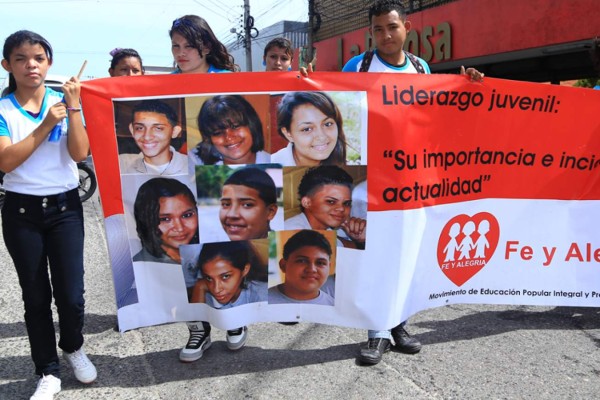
(47, 387)
(236, 338)
(84, 370)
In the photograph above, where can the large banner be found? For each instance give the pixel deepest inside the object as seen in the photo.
(350, 199)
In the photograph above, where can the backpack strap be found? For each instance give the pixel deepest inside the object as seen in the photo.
(368, 57)
(366, 61)
(415, 62)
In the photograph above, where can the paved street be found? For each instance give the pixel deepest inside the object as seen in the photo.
(469, 352)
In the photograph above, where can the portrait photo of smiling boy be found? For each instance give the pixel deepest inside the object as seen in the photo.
(240, 203)
(150, 136)
(306, 261)
(328, 197)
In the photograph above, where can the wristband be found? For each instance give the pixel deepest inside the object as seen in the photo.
(73, 109)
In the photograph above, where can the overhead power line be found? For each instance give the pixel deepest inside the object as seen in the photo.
(215, 4)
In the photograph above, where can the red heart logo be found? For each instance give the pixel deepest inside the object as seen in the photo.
(466, 245)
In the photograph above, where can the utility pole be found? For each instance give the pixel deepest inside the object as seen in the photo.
(311, 39)
(248, 25)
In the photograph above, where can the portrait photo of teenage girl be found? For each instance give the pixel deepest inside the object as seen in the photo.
(160, 216)
(312, 129)
(231, 273)
(231, 130)
(226, 275)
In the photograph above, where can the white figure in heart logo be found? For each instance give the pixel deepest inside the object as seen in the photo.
(482, 243)
(452, 245)
(466, 245)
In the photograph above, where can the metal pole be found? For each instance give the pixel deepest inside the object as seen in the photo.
(311, 14)
(247, 38)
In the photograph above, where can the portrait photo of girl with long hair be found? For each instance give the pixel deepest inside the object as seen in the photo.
(319, 128)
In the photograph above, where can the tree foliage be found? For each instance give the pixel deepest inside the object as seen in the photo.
(587, 83)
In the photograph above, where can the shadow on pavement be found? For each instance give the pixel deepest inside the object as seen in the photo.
(488, 323)
(163, 366)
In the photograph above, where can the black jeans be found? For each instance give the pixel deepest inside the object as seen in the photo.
(41, 231)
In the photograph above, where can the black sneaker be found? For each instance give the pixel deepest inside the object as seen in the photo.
(198, 342)
(373, 351)
(404, 342)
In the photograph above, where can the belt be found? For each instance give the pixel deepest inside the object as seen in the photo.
(61, 200)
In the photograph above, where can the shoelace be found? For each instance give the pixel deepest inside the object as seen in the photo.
(78, 360)
(44, 384)
(195, 339)
(374, 343)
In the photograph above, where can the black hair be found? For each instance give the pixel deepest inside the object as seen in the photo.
(199, 35)
(282, 43)
(222, 112)
(316, 177)
(156, 106)
(323, 103)
(146, 210)
(380, 7)
(305, 238)
(238, 253)
(119, 54)
(257, 179)
(17, 39)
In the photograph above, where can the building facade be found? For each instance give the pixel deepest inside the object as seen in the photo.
(533, 40)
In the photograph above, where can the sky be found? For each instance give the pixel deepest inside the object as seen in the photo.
(81, 30)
